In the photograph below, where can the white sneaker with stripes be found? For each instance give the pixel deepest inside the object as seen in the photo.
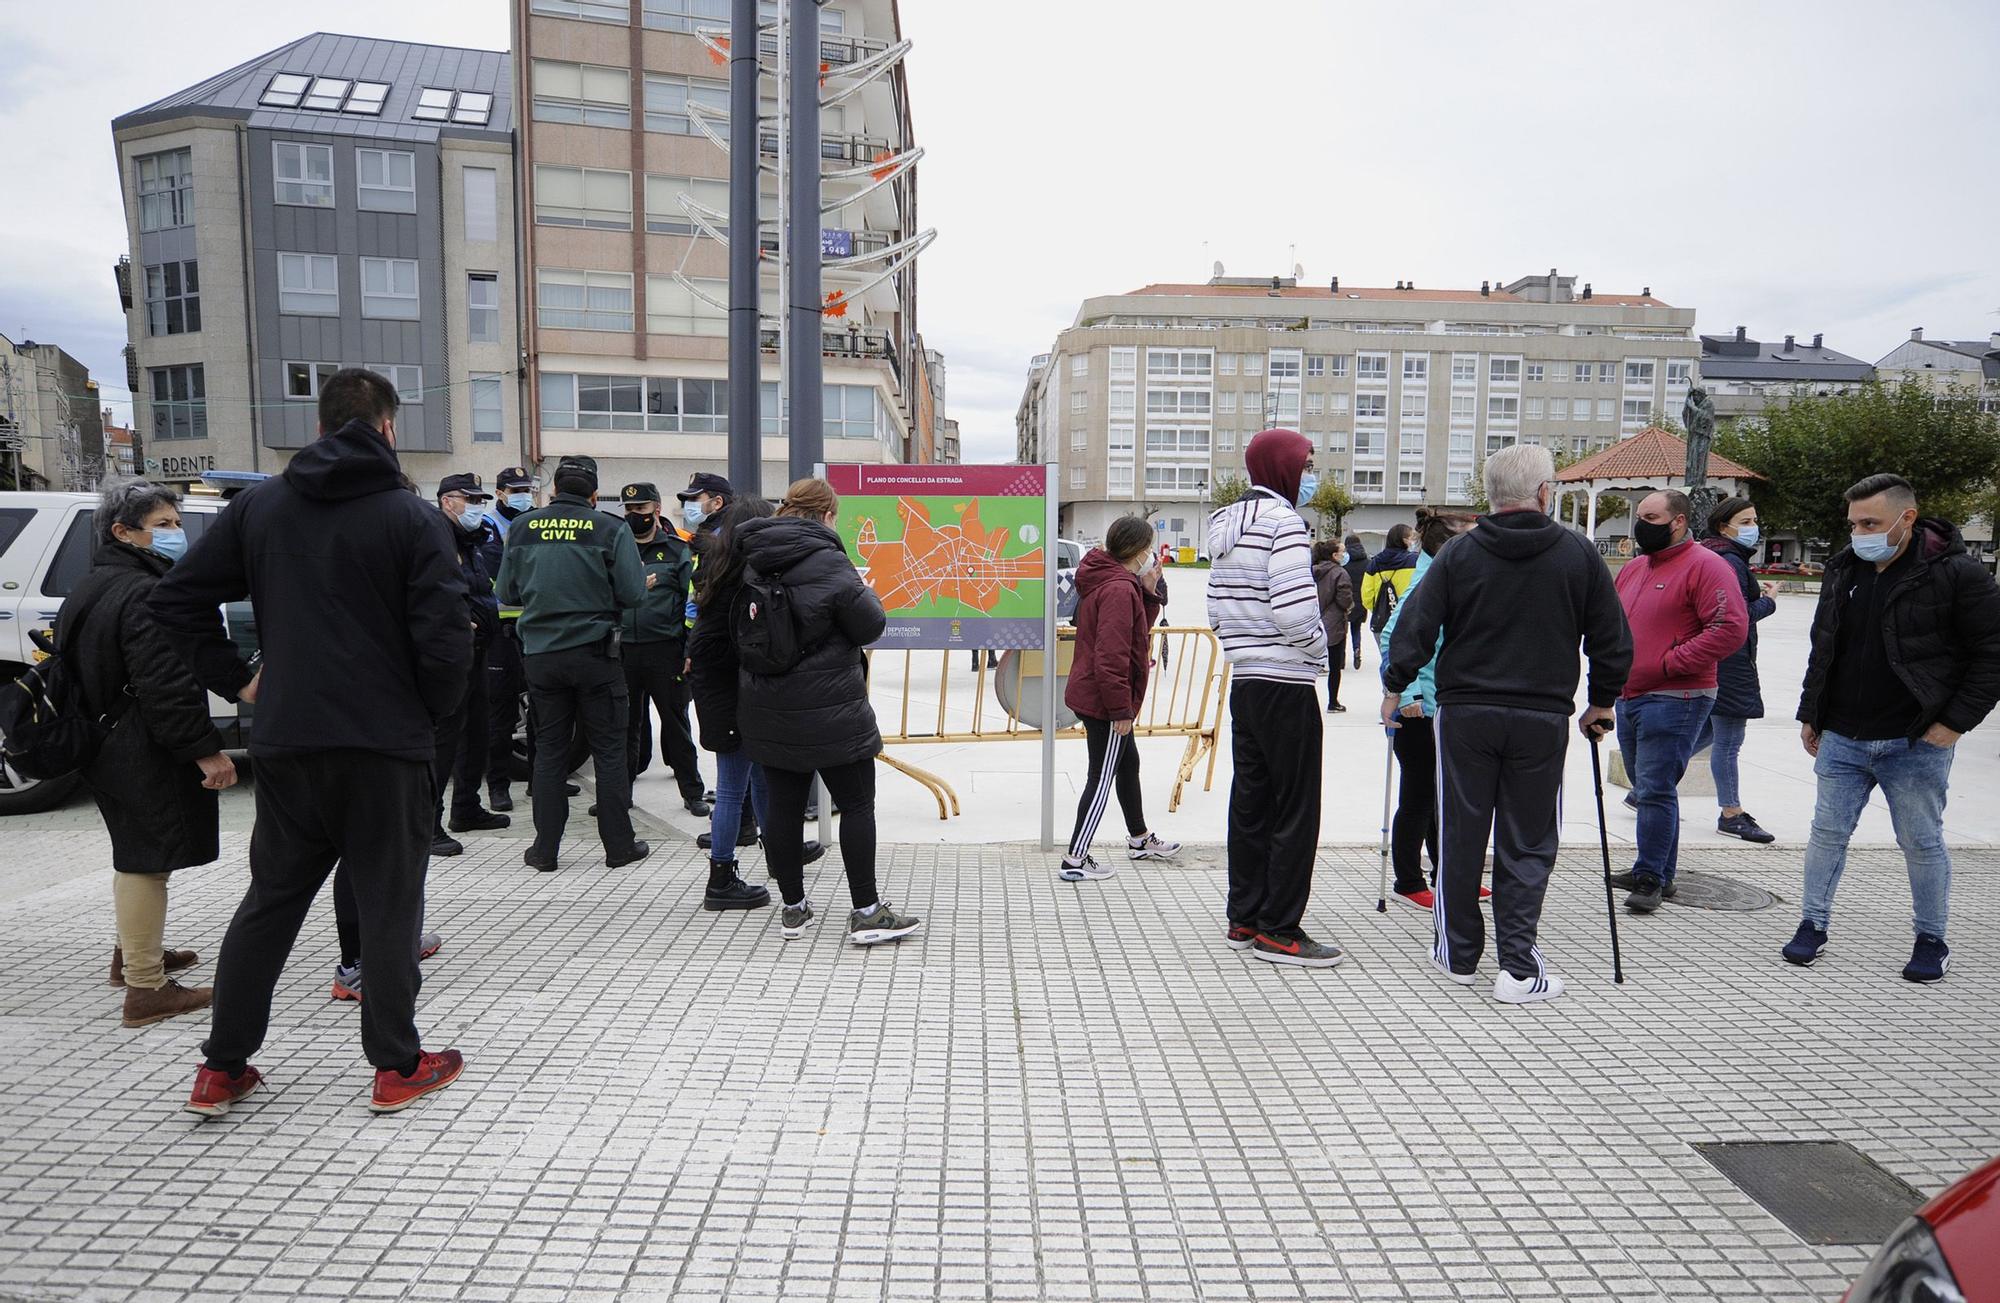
(1088, 871)
(1509, 989)
(1151, 847)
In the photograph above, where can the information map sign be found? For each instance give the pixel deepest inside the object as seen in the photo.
(956, 553)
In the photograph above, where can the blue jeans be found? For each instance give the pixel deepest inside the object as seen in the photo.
(1656, 736)
(735, 774)
(1726, 733)
(1913, 776)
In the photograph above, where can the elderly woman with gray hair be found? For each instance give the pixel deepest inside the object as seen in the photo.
(156, 778)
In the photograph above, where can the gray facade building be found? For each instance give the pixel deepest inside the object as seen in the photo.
(339, 201)
(1746, 375)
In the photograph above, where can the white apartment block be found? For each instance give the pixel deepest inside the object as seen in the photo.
(1149, 398)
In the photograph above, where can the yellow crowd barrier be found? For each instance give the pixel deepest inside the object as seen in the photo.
(945, 698)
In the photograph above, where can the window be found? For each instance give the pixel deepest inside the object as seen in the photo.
(408, 380)
(1411, 442)
(1176, 479)
(1416, 408)
(1465, 368)
(433, 104)
(1495, 442)
(166, 190)
(1416, 368)
(1118, 439)
(584, 300)
(385, 181)
(291, 90)
(1636, 412)
(303, 379)
(1122, 403)
(1336, 441)
(173, 298)
(1458, 486)
(1118, 481)
(1078, 476)
(1288, 406)
(1460, 446)
(1253, 364)
(1284, 366)
(1504, 371)
(1079, 400)
(1534, 409)
(1368, 484)
(309, 284)
(582, 93)
(673, 309)
(1315, 366)
(683, 15)
(1409, 485)
(285, 91)
(596, 198)
(1225, 437)
(1078, 440)
(1639, 375)
(1253, 403)
(304, 173)
(1337, 403)
(596, 11)
(1558, 375)
(1177, 438)
(1604, 372)
(486, 408)
(704, 403)
(1315, 404)
(664, 213)
(1464, 407)
(482, 204)
(1679, 374)
(1583, 373)
(1124, 363)
(1505, 411)
(1369, 443)
(474, 107)
(367, 97)
(1177, 402)
(1080, 365)
(1371, 366)
(1170, 363)
(1536, 372)
(326, 93)
(668, 98)
(1371, 407)
(180, 402)
(482, 307)
(1338, 366)
(1604, 409)
(603, 402)
(1226, 363)
(389, 289)
(1225, 402)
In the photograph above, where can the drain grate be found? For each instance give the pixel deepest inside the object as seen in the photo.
(1826, 1191)
(1711, 891)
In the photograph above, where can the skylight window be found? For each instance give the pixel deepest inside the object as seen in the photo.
(327, 93)
(292, 90)
(434, 105)
(367, 97)
(474, 107)
(285, 90)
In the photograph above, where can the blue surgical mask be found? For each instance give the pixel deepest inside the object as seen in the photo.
(1308, 485)
(692, 513)
(1873, 547)
(521, 501)
(470, 519)
(170, 543)
(1747, 535)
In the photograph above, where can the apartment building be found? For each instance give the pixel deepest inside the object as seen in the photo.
(626, 179)
(51, 427)
(339, 201)
(1744, 375)
(1972, 364)
(1148, 398)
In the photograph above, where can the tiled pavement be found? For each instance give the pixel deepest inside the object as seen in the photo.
(1055, 1091)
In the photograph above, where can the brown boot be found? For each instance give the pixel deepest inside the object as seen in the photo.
(173, 960)
(143, 1008)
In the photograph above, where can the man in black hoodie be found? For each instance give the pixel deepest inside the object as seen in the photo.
(1512, 598)
(361, 612)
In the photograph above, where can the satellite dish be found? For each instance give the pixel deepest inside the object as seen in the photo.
(1298, 271)
(1218, 268)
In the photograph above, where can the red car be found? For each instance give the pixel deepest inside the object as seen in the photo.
(1949, 1252)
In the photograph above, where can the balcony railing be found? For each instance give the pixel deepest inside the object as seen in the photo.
(838, 149)
(856, 343)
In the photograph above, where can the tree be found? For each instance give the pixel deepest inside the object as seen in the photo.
(1332, 502)
(1228, 489)
(1812, 448)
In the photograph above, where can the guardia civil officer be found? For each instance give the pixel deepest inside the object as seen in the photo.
(655, 647)
(504, 684)
(573, 571)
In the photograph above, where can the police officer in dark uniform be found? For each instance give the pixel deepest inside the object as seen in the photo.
(655, 647)
(504, 684)
(573, 570)
(463, 499)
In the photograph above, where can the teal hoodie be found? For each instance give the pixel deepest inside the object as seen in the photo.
(1424, 687)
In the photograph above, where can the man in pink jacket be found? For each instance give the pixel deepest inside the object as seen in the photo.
(1687, 615)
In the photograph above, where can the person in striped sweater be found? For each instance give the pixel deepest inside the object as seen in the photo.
(1264, 607)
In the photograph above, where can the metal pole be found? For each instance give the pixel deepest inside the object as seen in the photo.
(808, 438)
(784, 246)
(746, 424)
(1051, 473)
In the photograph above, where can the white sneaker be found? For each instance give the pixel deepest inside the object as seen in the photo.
(1509, 989)
(1151, 847)
(1463, 979)
(1088, 871)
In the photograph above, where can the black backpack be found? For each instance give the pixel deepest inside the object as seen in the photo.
(47, 728)
(763, 625)
(1385, 606)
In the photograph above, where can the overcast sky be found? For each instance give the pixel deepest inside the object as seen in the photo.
(1812, 165)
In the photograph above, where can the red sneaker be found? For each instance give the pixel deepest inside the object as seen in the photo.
(434, 1072)
(1425, 900)
(215, 1091)
(1239, 938)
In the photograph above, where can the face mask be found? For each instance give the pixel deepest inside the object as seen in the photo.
(170, 543)
(1308, 485)
(639, 522)
(521, 501)
(692, 513)
(1652, 537)
(469, 520)
(1874, 547)
(1747, 535)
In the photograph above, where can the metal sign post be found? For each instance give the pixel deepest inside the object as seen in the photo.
(1049, 657)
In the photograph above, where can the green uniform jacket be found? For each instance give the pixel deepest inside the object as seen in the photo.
(662, 617)
(571, 569)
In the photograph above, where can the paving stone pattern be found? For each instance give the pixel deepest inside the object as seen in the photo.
(1055, 1092)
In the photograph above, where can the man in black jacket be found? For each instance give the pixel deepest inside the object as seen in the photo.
(1905, 661)
(361, 612)
(1513, 597)
(655, 648)
(504, 680)
(462, 738)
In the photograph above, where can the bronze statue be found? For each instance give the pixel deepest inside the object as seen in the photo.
(1698, 416)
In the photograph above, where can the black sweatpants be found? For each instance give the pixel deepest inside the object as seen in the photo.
(504, 685)
(1415, 826)
(1499, 768)
(471, 754)
(1273, 802)
(449, 738)
(375, 813)
(1114, 764)
(579, 686)
(852, 787)
(653, 677)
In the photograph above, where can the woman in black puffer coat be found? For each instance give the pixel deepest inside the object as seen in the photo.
(1733, 536)
(816, 716)
(157, 774)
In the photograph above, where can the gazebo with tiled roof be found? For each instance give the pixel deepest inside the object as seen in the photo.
(1650, 460)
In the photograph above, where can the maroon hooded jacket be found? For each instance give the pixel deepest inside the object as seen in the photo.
(1114, 622)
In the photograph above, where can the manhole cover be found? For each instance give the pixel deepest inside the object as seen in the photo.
(1707, 891)
(1826, 1191)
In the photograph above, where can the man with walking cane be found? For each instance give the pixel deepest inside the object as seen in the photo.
(1513, 598)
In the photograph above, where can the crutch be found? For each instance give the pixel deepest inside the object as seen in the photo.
(1388, 777)
(1604, 844)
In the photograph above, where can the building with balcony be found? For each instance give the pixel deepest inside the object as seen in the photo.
(339, 201)
(1744, 375)
(1971, 364)
(626, 108)
(51, 427)
(1147, 400)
